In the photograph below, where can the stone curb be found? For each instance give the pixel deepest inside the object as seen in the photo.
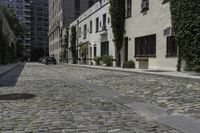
(10, 69)
(191, 78)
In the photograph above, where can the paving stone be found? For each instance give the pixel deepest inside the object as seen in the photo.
(65, 106)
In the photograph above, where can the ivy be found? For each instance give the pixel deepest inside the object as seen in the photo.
(186, 24)
(117, 12)
(7, 53)
(67, 38)
(73, 44)
(18, 27)
(65, 46)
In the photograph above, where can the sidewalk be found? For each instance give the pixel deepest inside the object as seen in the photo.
(167, 73)
(7, 68)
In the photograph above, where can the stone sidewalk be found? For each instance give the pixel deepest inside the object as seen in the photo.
(161, 72)
(6, 68)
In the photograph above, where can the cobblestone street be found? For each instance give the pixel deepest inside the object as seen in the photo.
(61, 105)
(177, 95)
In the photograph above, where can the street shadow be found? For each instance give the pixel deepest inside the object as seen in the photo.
(10, 79)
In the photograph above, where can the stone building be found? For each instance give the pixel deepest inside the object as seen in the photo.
(61, 14)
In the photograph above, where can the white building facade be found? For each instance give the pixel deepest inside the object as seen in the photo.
(94, 33)
(148, 35)
(148, 38)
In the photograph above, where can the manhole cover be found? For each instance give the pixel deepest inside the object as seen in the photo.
(16, 96)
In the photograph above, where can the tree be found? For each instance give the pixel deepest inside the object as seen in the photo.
(117, 12)
(73, 44)
(186, 24)
(18, 28)
(4, 50)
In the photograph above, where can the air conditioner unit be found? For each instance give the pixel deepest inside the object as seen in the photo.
(145, 5)
(168, 31)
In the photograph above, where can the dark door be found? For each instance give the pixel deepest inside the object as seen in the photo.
(104, 48)
(126, 49)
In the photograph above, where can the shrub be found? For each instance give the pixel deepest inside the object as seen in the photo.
(108, 60)
(129, 64)
(97, 60)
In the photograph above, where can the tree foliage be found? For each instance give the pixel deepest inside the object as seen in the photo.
(73, 44)
(66, 44)
(67, 37)
(18, 27)
(7, 53)
(186, 24)
(117, 12)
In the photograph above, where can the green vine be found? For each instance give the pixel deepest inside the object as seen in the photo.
(65, 45)
(117, 12)
(186, 24)
(73, 44)
(7, 53)
(67, 37)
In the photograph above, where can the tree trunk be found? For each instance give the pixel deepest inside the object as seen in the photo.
(118, 57)
(179, 60)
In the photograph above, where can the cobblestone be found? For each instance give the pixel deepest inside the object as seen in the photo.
(63, 106)
(178, 95)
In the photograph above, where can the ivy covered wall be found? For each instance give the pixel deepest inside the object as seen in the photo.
(186, 24)
(73, 44)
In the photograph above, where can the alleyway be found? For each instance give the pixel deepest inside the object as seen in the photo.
(68, 99)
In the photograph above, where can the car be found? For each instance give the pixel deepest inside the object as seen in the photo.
(40, 60)
(49, 60)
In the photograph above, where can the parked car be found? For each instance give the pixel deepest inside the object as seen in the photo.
(40, 60)
(49, 60)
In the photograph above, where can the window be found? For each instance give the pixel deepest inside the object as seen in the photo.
(145, 5)
(171, 47)
(79, 32)
(91, 26)
(95, 51)
(104, 48)
(97, 24)
(104, 22)
(85, 32)
(165, 1)
(145, 46)
(129, 8)
(77, 5)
